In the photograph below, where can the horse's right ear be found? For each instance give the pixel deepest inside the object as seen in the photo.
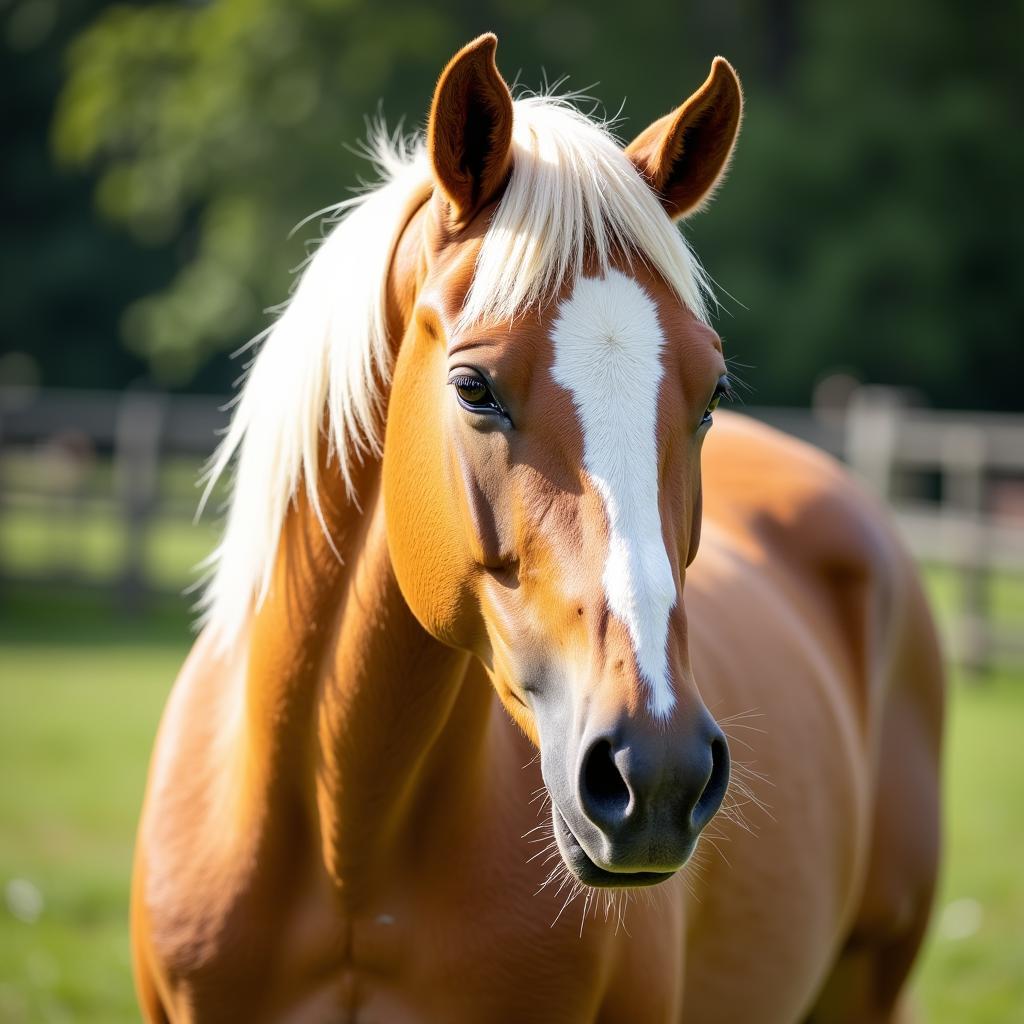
(469, 137)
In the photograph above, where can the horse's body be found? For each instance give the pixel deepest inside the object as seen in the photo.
(334, 827)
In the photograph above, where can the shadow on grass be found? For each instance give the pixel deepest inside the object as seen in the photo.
(76, 617)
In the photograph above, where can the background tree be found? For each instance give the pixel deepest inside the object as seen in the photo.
(872, 221)
(67, 272)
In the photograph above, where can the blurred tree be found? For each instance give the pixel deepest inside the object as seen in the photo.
(872, 220)
(66, 274)
(218, 125)
(222, 125)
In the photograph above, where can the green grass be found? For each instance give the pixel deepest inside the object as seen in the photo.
(80, 694)
(973, 970)
(78, 708)
(1005, 594)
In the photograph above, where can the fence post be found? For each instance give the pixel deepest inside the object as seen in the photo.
(963, 482)
(137, 440)
(872, 424)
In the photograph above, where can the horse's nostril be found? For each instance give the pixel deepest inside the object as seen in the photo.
(603, 790)
(714, 789)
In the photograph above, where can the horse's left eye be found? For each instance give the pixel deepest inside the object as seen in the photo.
(473, 393)
(722, 390)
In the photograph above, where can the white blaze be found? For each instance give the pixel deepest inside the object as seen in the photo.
(608, 344)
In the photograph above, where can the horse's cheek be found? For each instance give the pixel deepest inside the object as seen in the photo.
(426, 549)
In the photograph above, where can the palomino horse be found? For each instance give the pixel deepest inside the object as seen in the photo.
(468, 494)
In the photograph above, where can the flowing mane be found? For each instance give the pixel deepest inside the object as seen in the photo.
(572, 194)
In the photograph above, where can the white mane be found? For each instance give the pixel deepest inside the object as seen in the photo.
(325, 364)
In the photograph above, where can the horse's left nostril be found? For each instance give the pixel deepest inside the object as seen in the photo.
(714, 789)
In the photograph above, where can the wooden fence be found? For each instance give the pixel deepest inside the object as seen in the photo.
(51, 443)
(955, 481)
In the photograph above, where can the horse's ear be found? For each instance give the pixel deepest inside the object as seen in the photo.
(469, 137)
(684, 155)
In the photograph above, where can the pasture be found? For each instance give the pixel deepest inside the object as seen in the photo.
(80, 695)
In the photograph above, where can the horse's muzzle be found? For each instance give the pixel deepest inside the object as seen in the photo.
(630, 811)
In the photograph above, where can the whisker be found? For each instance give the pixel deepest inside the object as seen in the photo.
(736, 739)
(551, 876)
(747, 769)
(586, 904)
(576, 889)
(536, 828)
(540, 853)
(740, 716)
(533, 760)
(712, 841)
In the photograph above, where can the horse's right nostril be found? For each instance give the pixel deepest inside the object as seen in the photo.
(603, 791)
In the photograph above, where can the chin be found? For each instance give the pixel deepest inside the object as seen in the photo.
(583, 868)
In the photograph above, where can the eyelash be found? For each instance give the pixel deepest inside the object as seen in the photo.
(465, 380)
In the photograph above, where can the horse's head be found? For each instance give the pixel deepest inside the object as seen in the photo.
(542, 462)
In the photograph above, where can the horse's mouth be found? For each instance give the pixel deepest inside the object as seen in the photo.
(583, 867)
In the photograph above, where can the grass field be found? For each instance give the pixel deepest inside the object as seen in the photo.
(78, 707)
(80, 694)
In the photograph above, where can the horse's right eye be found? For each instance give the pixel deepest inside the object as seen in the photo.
(473, 392)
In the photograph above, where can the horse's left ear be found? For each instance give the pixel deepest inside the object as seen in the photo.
(469, 137)
(684, 155)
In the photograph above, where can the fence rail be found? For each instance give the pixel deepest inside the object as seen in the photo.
(955, 481)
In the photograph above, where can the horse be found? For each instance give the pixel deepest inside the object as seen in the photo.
(450, 744)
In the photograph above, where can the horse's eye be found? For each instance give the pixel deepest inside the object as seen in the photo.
(473, 393)
(722, 390)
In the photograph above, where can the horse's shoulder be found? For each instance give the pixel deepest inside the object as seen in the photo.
(183, 861)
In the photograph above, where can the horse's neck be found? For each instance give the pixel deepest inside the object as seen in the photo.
(354, 711)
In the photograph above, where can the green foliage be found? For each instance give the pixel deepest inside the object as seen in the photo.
(66, 273)
(219, 123)
(873, 219)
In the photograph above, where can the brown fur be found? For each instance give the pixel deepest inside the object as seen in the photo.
(333, 828)
(470, 129)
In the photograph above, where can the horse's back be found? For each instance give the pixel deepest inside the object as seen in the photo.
(814, 645)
